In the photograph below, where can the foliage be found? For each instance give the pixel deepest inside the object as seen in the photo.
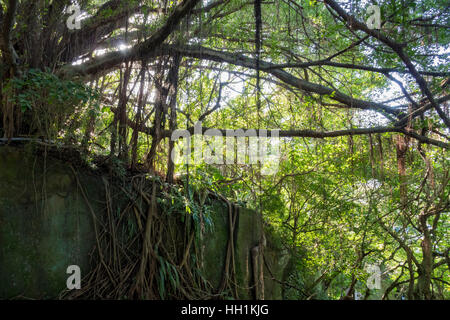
(374, 196)
(48, 100)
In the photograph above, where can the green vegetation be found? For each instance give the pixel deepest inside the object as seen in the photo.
(362, 175)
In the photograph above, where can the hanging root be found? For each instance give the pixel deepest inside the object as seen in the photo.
(147, 262)
(229, 280)
(140, 253)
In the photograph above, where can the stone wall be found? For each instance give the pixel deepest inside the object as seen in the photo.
(45, 226)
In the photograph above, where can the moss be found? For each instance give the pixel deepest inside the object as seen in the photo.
(216, 245)
(45, 226)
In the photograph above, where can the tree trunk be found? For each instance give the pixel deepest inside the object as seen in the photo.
(402, 148)
(173, 85)
(426, 267)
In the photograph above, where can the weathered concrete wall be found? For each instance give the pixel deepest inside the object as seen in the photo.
(46, 226)
(247, 235)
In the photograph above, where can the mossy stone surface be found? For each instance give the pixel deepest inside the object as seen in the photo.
(45, 225)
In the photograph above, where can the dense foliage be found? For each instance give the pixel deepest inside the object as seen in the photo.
(363, 172)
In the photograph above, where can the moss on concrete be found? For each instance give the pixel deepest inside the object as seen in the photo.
(45, 226)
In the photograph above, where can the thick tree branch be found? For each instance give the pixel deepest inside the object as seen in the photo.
(84, 40)
(327, 62)
(9, 54)
(295, 132)
(109, 61)
(298, 133)
(147, 47)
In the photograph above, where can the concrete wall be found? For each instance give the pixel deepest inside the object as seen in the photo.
(46, 226)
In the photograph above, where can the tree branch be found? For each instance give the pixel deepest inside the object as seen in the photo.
(9, 54)
(109, 61)
(398, 49)
(115, 58)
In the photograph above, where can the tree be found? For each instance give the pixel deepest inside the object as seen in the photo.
(342, 93)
